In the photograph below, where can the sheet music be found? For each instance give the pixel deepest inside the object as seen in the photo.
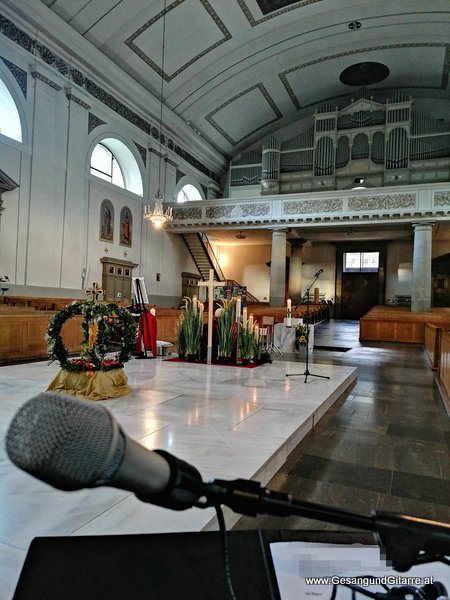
(298, 564)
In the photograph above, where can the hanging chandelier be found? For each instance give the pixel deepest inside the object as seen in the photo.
(156, 214)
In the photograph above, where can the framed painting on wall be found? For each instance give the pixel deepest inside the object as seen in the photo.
(126, 223)
(106, 221)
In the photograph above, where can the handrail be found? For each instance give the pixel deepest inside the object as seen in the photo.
(213, 258)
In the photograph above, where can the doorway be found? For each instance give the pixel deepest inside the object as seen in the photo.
(360, 278)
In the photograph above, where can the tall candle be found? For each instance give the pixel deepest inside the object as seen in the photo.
(244, 315)
(256, 332)
(289, 313)
(238, 308)
(251, 322)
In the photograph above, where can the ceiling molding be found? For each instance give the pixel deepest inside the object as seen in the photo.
(257, 21)
(267, 97)
(130, 41)
(299, 106)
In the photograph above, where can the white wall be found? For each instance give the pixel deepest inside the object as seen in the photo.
(49, 229)
(246, 264)
(316, 256)
(399, 269)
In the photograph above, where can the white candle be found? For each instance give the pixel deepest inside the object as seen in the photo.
(289, 312)
(238, 308)
(251, 321)
(256, 332)
(244, 315)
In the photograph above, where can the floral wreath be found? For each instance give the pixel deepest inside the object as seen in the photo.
(99, 325)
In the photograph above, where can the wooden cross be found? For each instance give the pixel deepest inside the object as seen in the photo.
(210, 284)
(95, 290)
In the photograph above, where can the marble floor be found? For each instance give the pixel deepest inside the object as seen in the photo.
(228, 422)
(384, 446)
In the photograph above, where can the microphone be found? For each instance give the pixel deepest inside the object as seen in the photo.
(318, 273)
(74, 444)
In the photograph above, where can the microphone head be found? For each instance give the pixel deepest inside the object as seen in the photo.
(64, 441)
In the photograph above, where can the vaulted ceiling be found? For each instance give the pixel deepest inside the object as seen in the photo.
(235, 70)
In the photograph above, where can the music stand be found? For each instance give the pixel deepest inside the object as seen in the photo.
(306, 372)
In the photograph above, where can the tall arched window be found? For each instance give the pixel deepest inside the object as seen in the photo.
(112, 161)
(104, 165)
(9, 115)
(188, 192)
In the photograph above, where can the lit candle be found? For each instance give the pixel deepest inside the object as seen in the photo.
(251, 321)
(244, 315)
(289, 312)
(256, 332)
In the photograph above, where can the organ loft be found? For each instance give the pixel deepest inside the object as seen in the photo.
(368, 142)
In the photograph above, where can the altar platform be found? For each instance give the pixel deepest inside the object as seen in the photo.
(229, 422)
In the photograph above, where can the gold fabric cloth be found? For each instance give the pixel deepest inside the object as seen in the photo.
(101, 385)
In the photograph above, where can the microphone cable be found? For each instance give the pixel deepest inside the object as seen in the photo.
(225, 550)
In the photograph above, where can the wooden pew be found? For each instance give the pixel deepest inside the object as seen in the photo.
(399, 324)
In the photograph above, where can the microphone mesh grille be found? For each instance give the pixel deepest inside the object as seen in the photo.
(61, 440)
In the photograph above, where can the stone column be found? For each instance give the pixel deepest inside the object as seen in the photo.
(278, 268)
(295, 271)
(421, 279)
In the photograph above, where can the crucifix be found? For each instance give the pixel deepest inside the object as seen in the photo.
(210, 284)
(95, 290)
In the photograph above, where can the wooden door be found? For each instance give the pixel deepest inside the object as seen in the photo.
(359, 294)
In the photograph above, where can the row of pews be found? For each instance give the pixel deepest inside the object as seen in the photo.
(431, 329)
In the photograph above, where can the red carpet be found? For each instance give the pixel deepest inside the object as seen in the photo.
(201, 362)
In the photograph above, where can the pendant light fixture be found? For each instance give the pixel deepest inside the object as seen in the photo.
(157, 215)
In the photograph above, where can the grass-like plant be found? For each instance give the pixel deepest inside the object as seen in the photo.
(225, 328)
(246, 340)
(192, 326)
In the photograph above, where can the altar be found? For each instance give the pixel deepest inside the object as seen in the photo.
(284, 336)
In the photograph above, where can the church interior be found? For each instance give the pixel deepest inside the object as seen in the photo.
(288, 161)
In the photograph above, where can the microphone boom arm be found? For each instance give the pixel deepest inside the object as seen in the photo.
(407, 541)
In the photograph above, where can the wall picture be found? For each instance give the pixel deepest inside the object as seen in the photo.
(126, 222)
(107, 221)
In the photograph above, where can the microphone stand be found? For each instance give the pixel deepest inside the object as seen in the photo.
(407, 541)
(306, 372)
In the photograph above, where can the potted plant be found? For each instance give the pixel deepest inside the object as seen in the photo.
(256, 345)
(192, 327)
(246, 341)
(225, 330)
(180, 342)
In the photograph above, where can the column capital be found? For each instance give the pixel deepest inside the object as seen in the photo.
(278, 230)
(426, 224)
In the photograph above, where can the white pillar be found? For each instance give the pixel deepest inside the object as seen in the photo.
(421, 281)
(278, 268)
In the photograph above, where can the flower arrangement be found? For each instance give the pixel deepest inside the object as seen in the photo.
(100, 324)
(301, 336)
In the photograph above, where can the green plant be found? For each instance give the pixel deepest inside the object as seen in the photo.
(246, 340)
(256, 344)
(179, 333)
(225, 328)
(192, 326)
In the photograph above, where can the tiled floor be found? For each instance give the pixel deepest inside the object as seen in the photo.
(385, 446)
(229, 422)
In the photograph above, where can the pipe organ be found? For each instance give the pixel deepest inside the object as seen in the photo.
(382, 141)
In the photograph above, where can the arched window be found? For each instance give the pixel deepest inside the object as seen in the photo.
(112, 161)
(188, 192)
(9, 115)
(104, 165)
